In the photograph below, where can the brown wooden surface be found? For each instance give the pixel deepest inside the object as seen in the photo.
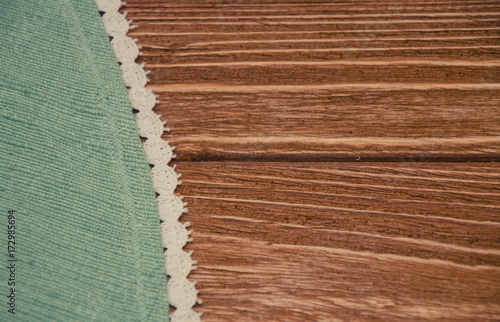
(264, 98)
(326, 81)
(318, 241)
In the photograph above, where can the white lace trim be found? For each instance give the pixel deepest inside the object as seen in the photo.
(182, 294)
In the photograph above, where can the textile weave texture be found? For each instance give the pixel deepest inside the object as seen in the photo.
(72, 167)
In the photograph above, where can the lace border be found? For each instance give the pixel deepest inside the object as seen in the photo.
(182, 293)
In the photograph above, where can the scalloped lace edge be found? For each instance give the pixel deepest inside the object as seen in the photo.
(182, 293)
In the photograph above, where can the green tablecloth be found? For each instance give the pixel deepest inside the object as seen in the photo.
(88, 244)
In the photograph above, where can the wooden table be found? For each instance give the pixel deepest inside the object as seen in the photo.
(338, 157)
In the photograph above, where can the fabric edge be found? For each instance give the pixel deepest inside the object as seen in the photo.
(182, 293)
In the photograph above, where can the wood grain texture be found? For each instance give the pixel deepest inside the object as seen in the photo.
(319, 241)
(323, 81)
(301, 124)
(254, 90)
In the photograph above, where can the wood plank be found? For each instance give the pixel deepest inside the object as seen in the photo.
(319, 241)
(325, 81)
(314, 80)
(394, 123)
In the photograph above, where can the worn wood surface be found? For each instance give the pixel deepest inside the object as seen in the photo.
(394, 123)
(264, 98)
(324, 81)
(319, 241)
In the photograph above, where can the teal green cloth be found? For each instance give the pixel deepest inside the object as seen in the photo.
(72, 167)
